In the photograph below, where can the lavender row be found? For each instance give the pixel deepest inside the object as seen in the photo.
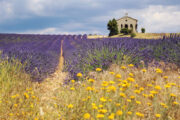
(77, 58)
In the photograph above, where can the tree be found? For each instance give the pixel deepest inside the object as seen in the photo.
(112, 27)
(143, 30)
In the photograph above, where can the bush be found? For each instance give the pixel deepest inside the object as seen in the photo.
(126, 31)
(112, 27)
(143, 30)
(133, 35)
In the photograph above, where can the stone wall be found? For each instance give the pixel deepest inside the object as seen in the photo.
(127, 22)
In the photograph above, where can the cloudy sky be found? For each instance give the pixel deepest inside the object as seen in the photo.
(86, 16)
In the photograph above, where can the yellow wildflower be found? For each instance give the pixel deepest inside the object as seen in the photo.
(123, 67)
(118, 76)
(100, 115)
(158, 115)
(112, 73)
(111, 117)
(131, 65)
(157, 87)
(98, 69)
(103, 99)
(153, 92)
(131, 74)
(33, 97)
(129, 113)
(149, 85)
(122, 95)
(130, 79)
(15, 105)
(139, 114)
(26, 95)
(137, 91)
(31, 105)
(91, 80)
(143, 70)
(111, 88)
(79, 75)
(72, 88)
(118, 104)
(103, 111)
(165, 77)
(141, 89)
(172, 95)
(175, 103)
(149, 103)
(89, 88)
(100, 106)
(167, 86)
(132, 97)
(87, 116)
(111, 82)
(138, 102)
(104, 83)
(128, 100)
(70, 106)
(159, 70)
(73, 81)
(14, 96)
(145, 95)
(11, 114)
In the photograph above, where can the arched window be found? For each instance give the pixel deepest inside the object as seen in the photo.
(131, 26)
(126, 26)
(121, 26)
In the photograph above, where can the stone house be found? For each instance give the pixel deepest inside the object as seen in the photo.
(127, 22)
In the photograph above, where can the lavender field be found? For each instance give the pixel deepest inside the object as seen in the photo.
(101, 79)
(42, 52)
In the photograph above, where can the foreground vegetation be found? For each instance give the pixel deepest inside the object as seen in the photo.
(122, 92)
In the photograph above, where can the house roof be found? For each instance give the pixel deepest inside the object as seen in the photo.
(127, 17)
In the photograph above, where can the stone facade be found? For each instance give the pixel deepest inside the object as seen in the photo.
(127, 22)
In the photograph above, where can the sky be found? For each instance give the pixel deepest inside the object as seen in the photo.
(86, 16)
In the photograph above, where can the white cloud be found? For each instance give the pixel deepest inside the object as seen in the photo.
(156, 18)
(6, 11)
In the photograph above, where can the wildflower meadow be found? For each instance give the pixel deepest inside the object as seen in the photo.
(71, 77)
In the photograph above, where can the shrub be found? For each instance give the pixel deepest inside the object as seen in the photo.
(133, 35)
(143, 30)
(126, 31)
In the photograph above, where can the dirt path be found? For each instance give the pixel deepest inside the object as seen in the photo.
(49, 86)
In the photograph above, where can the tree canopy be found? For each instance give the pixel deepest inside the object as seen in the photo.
(112, 27)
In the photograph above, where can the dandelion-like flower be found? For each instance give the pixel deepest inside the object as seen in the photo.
(112, 73)
(79, 75)
(70, 106)
(73, 81)
(131, 65)
(103, 99)
(144, 70)
(87, 116)
(111, 117)
(123, 67)
(139, 114)
(100, 116)
(98, 69)
(118, 76)
(158, 70)
(26, 95)
(157, 115)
